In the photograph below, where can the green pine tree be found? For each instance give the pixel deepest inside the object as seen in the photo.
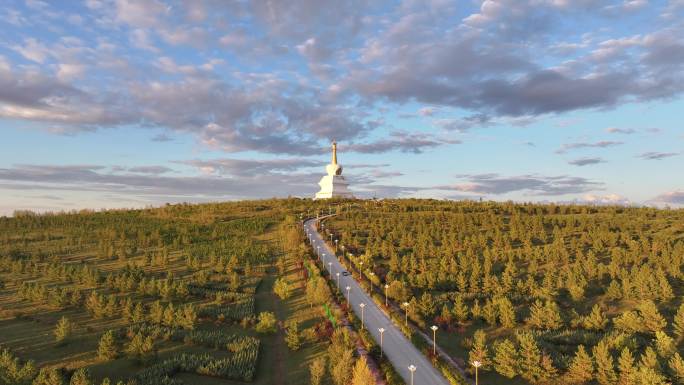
(653, 321)
(362, 373)
(63, 330)
(106, 349)
(479, 350)
(596, 320)
(342, 367)
(581, 369)
(676, 365)
(317, 370)
(679, 323)
(292, 336)
(506, 358)
(460, 310)
(49, 377)
(529, 357)
(81, 377)
(626, 367)
(664, 344)
(605, 368)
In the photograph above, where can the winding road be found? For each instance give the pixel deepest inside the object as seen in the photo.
(396, 347)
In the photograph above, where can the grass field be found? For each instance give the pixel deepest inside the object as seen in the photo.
(251, 231)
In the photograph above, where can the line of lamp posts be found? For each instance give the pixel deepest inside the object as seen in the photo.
(412, 368)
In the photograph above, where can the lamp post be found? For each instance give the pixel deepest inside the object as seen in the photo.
(336, 240)
(362, 305)
(476, 364)
(412, 369)
(338, 280)
(318, 248)
(361, 273)
(348, 288)
(386, 287)
(434, 339)
(381, 330)
(406, 305)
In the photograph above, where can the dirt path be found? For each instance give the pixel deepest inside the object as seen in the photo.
(274, 360)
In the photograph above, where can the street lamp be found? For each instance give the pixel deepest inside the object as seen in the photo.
(386, 287)
(330, 267)
(319, 250)
(434, 339)
(412, 368)
(362, 305)
(406, 305)
(476, 364)
(348, 288)
(381, 330)
(336, 240)
(338, 280)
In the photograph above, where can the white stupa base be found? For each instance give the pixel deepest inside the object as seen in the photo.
(333, 186)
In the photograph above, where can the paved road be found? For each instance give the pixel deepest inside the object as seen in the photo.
(397, 348)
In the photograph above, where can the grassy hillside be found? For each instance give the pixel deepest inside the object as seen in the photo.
(168, 295)
(538, 293)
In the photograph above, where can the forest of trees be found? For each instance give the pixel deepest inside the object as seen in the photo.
(537, 293)
(135, 286)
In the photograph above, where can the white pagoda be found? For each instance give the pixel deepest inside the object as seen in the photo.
(333, 185)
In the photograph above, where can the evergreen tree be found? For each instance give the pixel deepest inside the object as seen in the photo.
(626, 367)
(605, 369)
(653, 321)
(81, 377)
(106, 349)
(281, 288)
(489, 313)
(317, 370)
(648, 376)
(596, 320)
(629, 322)
(342, 367)
(156, 313)
(292, 336)
(267, 322)
(187, 317)
(552, 316)
(140, 346)
(581, 368)
(536, 318)
(138, 313)
(679, 323)
(649, 359)
(460, 309)
(479, 350)
(63, 330)
(506, 358)
(506, 312)
(49, 377)
(529, 357)
(476, 310)
(362, 373)
(664, 344)
(676, 365)
(169, 317)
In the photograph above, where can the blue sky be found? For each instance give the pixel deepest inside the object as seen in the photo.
(117, 103)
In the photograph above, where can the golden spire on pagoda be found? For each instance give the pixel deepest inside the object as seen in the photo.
(334, 152)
